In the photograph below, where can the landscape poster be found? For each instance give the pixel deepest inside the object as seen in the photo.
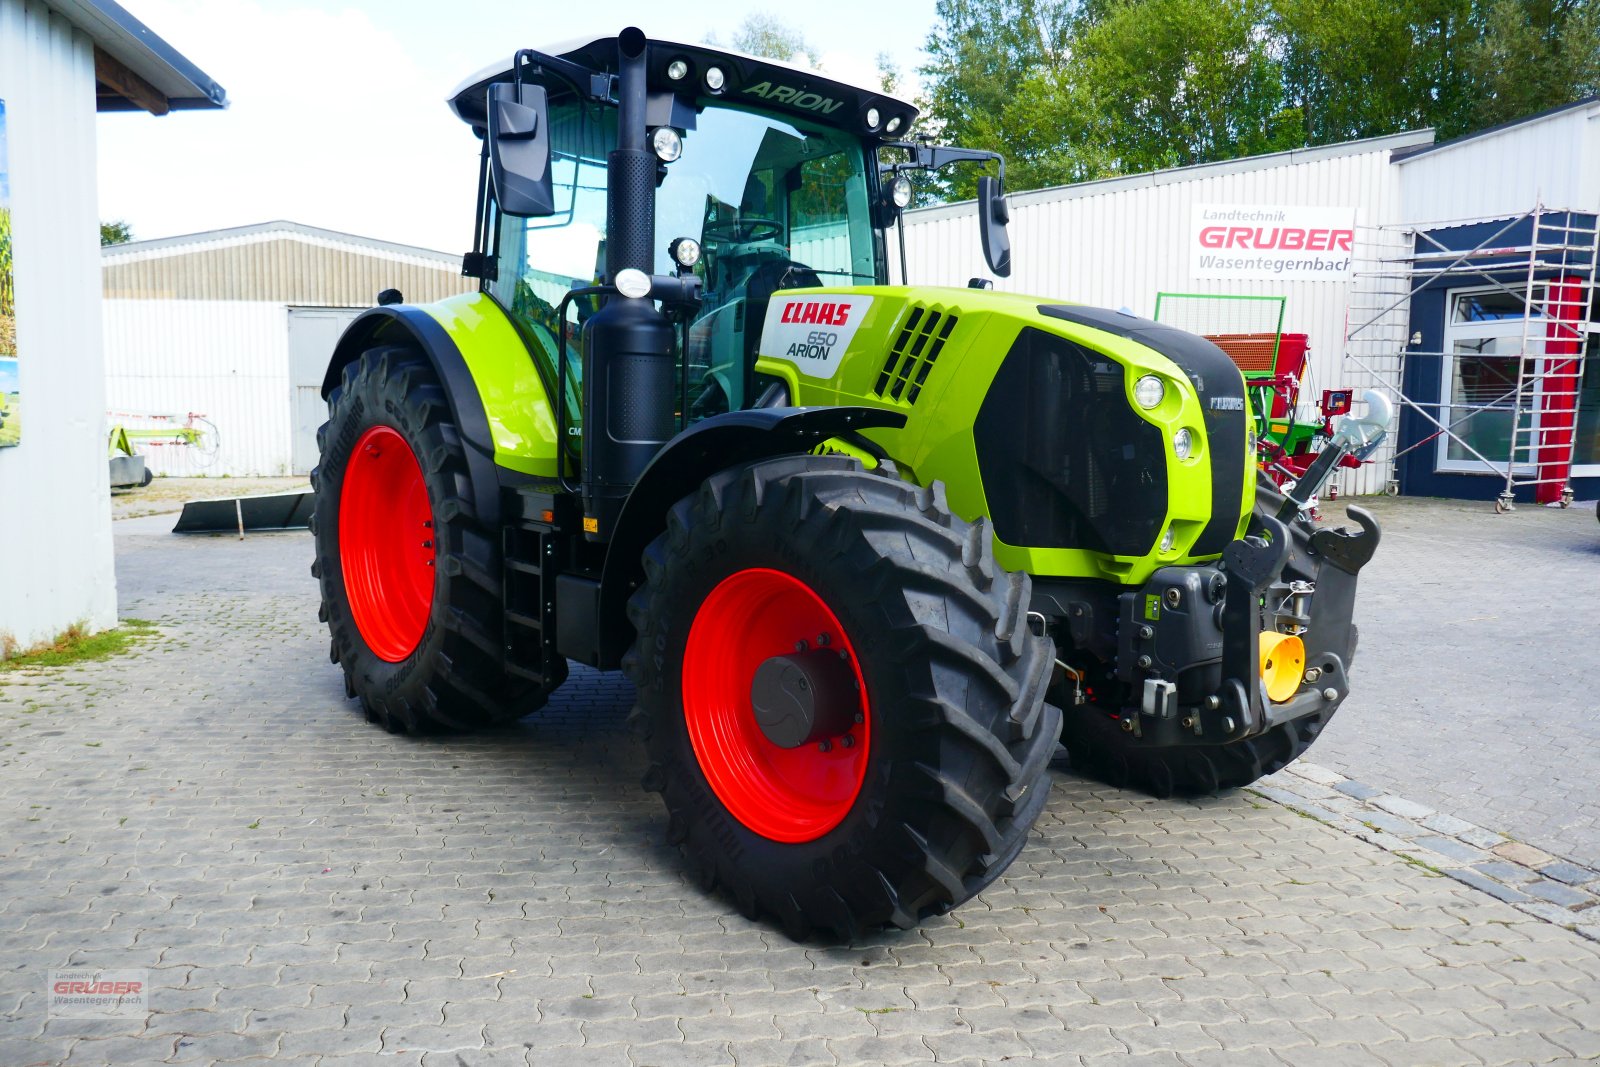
(10, 384)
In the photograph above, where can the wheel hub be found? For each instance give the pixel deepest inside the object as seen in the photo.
(776, 706)
(804, 697)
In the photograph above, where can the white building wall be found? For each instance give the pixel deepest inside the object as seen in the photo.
(55, 509)
(1118, 243)
(1553, 161)
(227, 360)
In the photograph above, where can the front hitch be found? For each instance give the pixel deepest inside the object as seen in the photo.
(1267, 570)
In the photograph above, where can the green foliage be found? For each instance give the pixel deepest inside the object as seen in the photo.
(765, 35)
(75, 644)
(1072, 90)
(115, 233)
(8, 296)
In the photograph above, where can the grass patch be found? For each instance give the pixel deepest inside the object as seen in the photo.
(75, 645)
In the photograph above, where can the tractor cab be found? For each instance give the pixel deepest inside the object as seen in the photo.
(765, 176)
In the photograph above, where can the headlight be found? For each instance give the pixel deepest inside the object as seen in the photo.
(1148, 391)
(677, 70)
(1167, 540)
(633, 283)
(900, 191)
(715, 79)
(894, 125)
(1183, 443)
(685, 252)
(872, 118)
(667, 143)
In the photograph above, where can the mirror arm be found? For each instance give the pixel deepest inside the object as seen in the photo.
(591, 84)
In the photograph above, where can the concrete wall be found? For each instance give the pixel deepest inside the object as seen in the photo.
(55, 511)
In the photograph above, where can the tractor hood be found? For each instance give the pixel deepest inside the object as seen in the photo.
(764, 83)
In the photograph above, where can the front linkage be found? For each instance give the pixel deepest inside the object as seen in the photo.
(1209, 676)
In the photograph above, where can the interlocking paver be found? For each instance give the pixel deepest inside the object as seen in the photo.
(1450, 641)
(509, 897)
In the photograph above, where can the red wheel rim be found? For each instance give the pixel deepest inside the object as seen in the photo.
(785, 794)
(386, 543)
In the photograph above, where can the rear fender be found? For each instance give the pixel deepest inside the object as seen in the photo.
(678, 469)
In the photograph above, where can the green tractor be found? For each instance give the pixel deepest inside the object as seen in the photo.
(867, 552)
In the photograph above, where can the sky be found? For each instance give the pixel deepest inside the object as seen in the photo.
(337, 113)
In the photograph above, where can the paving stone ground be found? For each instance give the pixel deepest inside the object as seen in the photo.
(304, 887)
(1474, 689)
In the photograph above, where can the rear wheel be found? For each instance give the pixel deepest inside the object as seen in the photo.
(410, 576)
(842, 705)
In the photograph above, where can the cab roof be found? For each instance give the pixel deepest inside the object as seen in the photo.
(751, 80)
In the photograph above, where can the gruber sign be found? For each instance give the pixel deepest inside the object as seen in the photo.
(1274, 243)
(811, 332)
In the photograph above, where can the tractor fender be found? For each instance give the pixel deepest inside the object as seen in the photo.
(405, 324)
(715, 444)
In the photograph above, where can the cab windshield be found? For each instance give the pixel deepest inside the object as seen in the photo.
(774, 205)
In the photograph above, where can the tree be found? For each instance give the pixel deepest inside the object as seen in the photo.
(988, 57)
(1534, 54)
(764, 35)
(115, 233)
(1071, 90)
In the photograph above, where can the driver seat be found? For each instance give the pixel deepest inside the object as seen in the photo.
(766, 279)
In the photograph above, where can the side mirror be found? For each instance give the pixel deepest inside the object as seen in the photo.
(993, 215)
(519, 150)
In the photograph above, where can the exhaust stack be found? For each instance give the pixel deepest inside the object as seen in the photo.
(629, 383)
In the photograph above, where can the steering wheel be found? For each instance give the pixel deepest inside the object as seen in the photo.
(743, 231)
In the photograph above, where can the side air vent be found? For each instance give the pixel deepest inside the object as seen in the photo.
(912, 357)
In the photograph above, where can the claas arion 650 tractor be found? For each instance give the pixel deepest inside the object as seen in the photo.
(868, 552)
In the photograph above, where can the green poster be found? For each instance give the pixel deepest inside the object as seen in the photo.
(10, 386)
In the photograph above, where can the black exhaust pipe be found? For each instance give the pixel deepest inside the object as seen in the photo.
(629, 382)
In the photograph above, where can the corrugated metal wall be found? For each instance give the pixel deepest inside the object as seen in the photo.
(55, 537)
(226, 360)
(1117, 244)
(202, 327)
(285, 270)
(1555, 161)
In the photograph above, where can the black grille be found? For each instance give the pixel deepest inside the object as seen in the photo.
(1220, 387)
(1066, 462)
(915, 349)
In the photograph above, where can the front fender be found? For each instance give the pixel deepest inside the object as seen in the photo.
(409, 325)
(715, 444)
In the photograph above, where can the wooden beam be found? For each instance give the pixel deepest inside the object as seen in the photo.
(113, 74)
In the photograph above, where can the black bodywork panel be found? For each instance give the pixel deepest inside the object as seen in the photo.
(1219, 383)
(1066, 461)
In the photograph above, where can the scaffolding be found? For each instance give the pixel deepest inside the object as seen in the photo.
(1530, 286)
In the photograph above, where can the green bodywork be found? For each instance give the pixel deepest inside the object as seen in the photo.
(521, 419)
(936, 443)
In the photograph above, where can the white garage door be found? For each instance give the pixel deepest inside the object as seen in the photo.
(312, 334)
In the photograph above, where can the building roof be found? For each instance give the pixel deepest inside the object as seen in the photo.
(1394, 142)
(135, 69)
(1527, 120)
(184, 244)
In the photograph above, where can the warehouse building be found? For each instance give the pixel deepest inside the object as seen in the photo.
(1457, 276)
(61, 61)
(223, 337)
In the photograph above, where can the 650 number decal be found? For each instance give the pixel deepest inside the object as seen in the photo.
(790, 331)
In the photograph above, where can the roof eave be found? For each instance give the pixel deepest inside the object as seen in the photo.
(121, 36)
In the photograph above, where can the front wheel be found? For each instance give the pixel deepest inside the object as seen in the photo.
(410, 575)
(842, 704)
